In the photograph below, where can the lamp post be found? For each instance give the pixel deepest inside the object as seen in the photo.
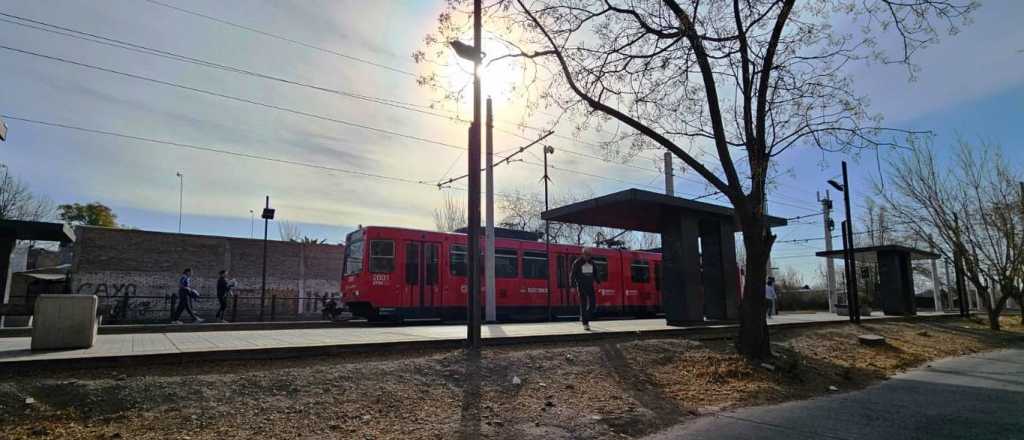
(268, 215)
(852, 301)
(181, 196)
(547, 226)
(252, 222)
(474, 54)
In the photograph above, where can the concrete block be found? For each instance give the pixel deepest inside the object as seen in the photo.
(871, 340)
(64, 322)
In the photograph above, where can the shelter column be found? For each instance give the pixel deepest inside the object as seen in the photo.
(681, 290)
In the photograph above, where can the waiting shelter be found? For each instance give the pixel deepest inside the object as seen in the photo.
(700, 278)
(10, 232)
(895, 274)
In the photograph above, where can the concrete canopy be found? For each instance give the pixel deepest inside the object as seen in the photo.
(36, 231)
(870, 254)
(638, 210)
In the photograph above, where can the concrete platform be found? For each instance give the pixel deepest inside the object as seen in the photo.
(178, 346)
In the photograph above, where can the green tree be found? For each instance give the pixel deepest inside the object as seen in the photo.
(91, 214)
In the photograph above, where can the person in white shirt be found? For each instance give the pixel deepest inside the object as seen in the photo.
(770, 297)
(583, 277)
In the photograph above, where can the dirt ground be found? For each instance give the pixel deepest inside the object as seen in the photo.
(606, 390)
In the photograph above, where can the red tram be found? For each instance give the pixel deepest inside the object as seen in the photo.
(397, 274)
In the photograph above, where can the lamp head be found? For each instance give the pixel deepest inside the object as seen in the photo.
(466, 51)
(838, 186)
(549, 149)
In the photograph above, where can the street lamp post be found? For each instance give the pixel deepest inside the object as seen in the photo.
(547, 226)
(268, 215)
(252, 222)
(181, 196)
(474, 54)
(852, 301)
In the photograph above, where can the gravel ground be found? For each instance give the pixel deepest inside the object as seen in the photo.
(602, 391)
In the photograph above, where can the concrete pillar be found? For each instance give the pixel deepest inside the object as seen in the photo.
(682, 291)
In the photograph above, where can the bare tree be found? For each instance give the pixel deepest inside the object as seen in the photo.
(18, 203)
(971, 207)
(743, 78)
(288, 231)
(450, 216)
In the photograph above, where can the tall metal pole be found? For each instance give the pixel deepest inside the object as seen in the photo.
(936, 284)
(473, 253)
(547, 228)
(181, 196)
(492, 309)
(852, 280)
(263, 285)
(830, 264)
(670, 184)
(252, 222)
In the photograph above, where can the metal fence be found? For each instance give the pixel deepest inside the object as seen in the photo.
(243, 306)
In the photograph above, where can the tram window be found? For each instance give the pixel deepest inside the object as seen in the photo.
(506, 263)
(601, 269)
(640, 271)
(535, 265)
(412, 263)
(563, 275)
(432, 264)
(457, 260)
(382, 256)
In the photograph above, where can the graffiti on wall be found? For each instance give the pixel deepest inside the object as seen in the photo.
(106, 290)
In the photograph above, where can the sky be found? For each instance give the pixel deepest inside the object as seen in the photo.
(971, 85)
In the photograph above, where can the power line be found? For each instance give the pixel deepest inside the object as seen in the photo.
(506, 159)
(235, 98)
(210, 149)
(283, 38)
(138, 48)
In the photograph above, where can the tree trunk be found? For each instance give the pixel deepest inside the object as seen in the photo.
(753, 341)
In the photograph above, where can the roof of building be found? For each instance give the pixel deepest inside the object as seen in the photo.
(638, 210)
(36, 231)
(870, 253)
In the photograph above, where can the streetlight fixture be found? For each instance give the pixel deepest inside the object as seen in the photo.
(852, 300)
(181, 196)
(473, 53)
(3, 130)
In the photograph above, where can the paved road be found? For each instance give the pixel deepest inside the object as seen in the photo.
(974, 397)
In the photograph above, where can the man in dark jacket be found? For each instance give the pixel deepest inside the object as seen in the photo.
(185, 295)
(584, 277)
(223, 292)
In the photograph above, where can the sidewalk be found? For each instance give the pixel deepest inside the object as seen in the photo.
(973, 397)
(179, 345)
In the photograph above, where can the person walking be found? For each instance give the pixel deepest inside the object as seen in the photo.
(770, 297)
(185, 295)
(223, 292)
(584, 276)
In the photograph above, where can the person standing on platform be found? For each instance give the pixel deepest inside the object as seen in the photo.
(770, 296)
(223, 292)
(185, 295)
(584, 276)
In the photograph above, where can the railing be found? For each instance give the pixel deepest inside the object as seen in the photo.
(242, 307)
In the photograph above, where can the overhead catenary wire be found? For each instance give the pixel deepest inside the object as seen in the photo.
(506, 159)
(283, 38)
(235, 98)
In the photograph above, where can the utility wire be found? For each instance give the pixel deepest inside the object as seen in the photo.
(283, 38)
(506, 159)
(235, 98)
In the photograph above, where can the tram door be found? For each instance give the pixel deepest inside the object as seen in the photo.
(566, 297)
(422, 280)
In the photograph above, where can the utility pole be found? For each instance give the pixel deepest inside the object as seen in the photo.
(492, 309)
(830, 264)
(851, 263)
(547, 226)
(268, 215)
(252, 222)
(936, 285)
(670, 184)
(181, 196)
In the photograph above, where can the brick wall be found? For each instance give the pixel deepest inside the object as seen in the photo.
(145, 266)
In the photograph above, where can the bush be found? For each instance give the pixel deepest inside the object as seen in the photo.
(803, 300)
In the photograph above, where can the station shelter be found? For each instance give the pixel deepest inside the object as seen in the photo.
(700, 276)
(894, 264)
